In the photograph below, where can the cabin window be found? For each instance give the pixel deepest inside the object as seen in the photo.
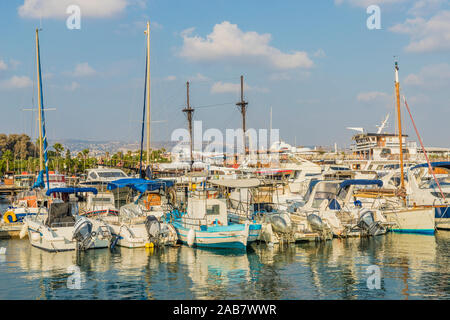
(213, 209)
(111, 174)
(92, 175)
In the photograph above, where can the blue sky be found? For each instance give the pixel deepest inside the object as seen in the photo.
(314, 62)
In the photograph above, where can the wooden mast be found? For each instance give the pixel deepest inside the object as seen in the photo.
(41, 154)
(243, 108)
(189, 112)
(147, 32)
(399, 119)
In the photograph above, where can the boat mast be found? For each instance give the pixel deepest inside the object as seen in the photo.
(147, 32)
(41, 154)
(243, 108)
(189, 112)
(399, 119)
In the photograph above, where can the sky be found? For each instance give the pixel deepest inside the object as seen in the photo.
(316, 64)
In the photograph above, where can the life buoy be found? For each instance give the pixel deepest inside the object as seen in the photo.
(218, 222)
(9, 214)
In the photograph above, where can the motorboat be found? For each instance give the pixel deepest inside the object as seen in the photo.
(63, 229)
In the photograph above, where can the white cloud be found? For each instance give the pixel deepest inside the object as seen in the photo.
(199, 78)
(435, 75)
(228, 43)
(426, 35)
(57, 8)
(3, 65)
(72, 87)
(320, 53)
(413, 79)
(424, 7)
(83, 70)
(170, 78)
(371, 96)
(227, 87)
(280, 76)
(16, 82)
(366, 3)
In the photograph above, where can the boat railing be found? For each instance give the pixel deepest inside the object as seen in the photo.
(62, 224)
(188, 222)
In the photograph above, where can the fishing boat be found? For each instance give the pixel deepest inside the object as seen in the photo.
(205, 223)
(62, 229)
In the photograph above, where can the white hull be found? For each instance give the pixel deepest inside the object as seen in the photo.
(60, 238)
(412, 220)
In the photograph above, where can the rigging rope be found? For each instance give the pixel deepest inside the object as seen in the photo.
(423, 148)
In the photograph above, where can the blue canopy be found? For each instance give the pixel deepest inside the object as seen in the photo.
(39, 181)
(364, 182)
(442, 164)
(140, 185)
(71, 190)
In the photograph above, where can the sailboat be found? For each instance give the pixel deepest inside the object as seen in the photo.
(408, 219)
(62, 228)
(140, 223)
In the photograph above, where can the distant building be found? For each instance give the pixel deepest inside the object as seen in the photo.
(381, 146)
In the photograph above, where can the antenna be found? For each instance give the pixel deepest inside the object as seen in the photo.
(383, 124)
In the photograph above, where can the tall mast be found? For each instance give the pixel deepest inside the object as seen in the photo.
(148, 92)
(38, 64)
(243, 108)
(399, 119)
(189, 112)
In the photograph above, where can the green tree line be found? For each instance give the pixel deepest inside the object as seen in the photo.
(18, 153)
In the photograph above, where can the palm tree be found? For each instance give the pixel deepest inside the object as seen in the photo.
(85, 154)
(7, 156)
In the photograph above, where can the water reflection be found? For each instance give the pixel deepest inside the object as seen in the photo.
(412, 267)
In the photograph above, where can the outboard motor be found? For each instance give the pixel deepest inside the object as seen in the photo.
(369, 225)
(279, 224)
(153, 227)
(83, 234)
(315, 222)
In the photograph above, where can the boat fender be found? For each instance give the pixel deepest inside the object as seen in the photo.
(24, 230)
(35, 236)
(191, 237)
(9, 217)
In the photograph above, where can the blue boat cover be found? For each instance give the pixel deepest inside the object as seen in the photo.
(39, 181)
(140, 185)
(441, 164)
(71, 190)
(364, 182)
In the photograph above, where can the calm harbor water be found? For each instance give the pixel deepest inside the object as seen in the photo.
(412, 267)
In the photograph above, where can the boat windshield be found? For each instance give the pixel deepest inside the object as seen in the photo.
(429, 183)
(325, 191)
(111, 174)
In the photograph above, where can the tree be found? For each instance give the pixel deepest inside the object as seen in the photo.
(85, 154)
(7, 156)
(58, 149)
